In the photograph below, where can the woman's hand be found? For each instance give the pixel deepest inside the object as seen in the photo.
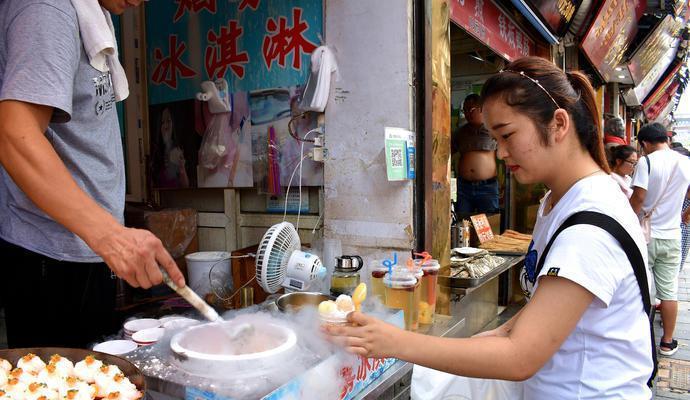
(370, 337)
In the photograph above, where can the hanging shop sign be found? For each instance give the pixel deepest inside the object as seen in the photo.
(493, 27)
(557, 15)
(635, 95)
(611, 33)
(664, 114)
(664, 93)
(253, 44)
(656, 111)
(654, 47)
(652, 59)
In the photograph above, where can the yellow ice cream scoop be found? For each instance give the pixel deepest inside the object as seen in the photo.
(359, 295)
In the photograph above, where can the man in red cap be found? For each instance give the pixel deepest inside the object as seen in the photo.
(614, 132)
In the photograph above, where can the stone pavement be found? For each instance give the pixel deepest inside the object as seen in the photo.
(674, 371)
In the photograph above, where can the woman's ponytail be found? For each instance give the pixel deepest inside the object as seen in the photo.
(587, 121)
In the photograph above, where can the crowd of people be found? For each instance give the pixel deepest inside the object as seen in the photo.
(657, 185)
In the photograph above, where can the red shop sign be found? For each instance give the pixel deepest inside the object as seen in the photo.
(661, 88)
(655, 104)
(655, 110)
(493, 27)
(611, 33)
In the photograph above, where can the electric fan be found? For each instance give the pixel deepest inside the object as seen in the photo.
(280, 262)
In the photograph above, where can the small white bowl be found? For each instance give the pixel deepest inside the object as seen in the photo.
(136, 325)
(180, 323)
(148, 336)
(115, 347)
(167, 318)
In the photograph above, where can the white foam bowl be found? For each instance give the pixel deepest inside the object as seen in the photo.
(179, 323)
(148, 336)
(115, 347)
(135, 325)
(197, 349)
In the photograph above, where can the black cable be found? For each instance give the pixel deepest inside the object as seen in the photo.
(292, 132)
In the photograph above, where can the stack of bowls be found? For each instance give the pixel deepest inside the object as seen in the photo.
(148, 336)
(135, 325)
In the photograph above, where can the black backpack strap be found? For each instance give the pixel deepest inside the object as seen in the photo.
(649, 166)
(619, 233)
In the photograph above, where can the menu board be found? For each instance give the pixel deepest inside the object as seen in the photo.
(482, 227)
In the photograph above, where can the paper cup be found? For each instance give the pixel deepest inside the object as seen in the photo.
(334, 320)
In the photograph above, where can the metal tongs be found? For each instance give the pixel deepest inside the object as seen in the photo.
(193, 298)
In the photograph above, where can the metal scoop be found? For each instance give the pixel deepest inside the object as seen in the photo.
(193, 298)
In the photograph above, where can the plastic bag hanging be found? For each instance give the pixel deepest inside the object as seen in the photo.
(323, 64)
(213, 145)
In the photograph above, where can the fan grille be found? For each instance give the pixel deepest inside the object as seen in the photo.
(273, 254)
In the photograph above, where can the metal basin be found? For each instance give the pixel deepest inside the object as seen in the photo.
(207, 350)
(293, 302)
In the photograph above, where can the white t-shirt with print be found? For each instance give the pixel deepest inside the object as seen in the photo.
(666, 217)
(608, 354)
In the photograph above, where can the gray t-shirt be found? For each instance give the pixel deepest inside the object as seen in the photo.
(42, 61)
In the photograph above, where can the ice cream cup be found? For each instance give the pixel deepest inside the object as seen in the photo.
(334, 320)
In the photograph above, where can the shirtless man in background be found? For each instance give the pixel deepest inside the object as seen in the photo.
(477, 184)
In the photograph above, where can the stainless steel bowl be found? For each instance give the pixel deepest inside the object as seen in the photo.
(293, 302)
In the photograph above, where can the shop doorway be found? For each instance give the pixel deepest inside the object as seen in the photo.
(479, 184)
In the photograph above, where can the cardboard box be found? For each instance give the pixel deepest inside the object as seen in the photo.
(177, 230)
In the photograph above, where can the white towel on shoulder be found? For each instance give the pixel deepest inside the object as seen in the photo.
(98, 35)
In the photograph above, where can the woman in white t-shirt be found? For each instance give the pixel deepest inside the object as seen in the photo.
(622, 161)
(584, 333)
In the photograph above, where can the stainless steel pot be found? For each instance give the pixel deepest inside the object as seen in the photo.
(128, 369)
(293, 302)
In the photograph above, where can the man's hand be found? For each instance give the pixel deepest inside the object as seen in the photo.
(135, 255)
(637, 199)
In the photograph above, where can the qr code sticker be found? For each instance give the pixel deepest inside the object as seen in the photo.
(396, 157)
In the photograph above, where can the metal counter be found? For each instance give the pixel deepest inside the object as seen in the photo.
(394, 380)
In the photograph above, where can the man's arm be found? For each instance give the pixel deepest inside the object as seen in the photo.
(637, 199)
(38, 171)
(685, 215)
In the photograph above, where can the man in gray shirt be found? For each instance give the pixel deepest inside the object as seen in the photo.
(62, 183)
